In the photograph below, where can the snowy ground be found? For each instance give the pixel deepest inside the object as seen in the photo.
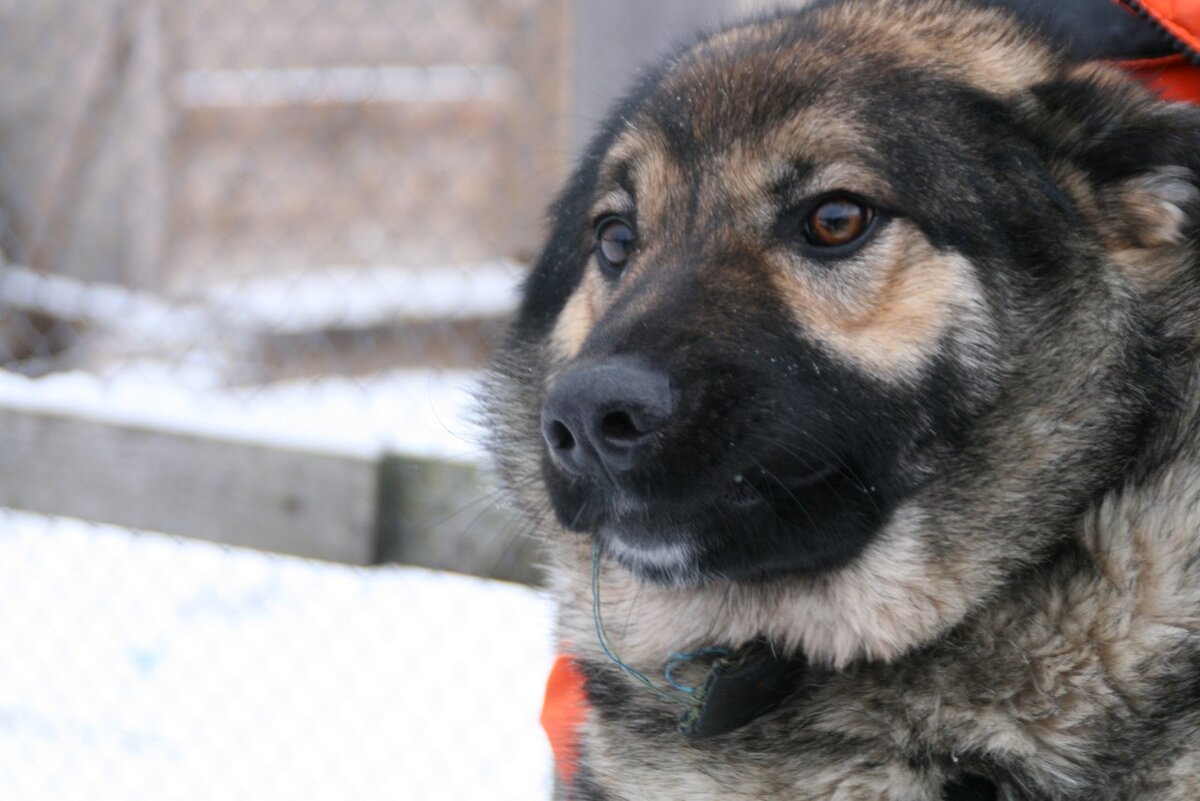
(138, 666)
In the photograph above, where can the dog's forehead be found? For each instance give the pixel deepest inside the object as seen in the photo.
(866, 39)
(815, 85)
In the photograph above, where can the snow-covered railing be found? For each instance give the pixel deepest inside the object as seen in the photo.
(104, 305)
(324, 469)
(338, 296)
(156, 436)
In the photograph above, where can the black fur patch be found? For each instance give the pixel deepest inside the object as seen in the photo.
(970, 788)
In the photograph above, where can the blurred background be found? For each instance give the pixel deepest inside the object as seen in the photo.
(253, 254)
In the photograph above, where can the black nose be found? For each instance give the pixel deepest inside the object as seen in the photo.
(602, 418)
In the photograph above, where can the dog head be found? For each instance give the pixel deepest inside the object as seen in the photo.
(834, 313)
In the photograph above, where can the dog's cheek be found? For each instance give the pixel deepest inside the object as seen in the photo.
(890, 310)
(576, 320)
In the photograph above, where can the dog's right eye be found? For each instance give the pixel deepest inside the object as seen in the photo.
(838, 221)
(615, 239)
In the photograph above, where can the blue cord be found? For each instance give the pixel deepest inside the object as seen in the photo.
(675, 661)
(632, 671)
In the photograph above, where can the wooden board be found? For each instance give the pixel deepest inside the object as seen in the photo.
(84, 125)
(288, 501)
(615, 40)
(436, 514)
(281, 190)
(428, 132)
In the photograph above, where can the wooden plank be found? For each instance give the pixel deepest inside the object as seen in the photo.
(345, 350)
(145, 144)
(438, 83)
(539, 123)
(403, 184)
(312, 505)
(56, 75)
(84, 126)
(430, 132)
(436, 514)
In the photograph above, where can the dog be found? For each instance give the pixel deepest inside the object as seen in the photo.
(854, 396)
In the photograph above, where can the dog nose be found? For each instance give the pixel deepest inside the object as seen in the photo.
(602, 418)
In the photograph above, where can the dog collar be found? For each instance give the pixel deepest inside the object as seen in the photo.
(739, 687)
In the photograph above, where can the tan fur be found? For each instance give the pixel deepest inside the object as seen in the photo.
(887, 311)
(577, 319)
(653, 176)
(1145, 226)
(876, 609)
(890, 308)
(1087, 641)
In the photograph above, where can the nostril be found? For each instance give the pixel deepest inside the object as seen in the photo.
(602, 419)
(619, 428)
(559, 437)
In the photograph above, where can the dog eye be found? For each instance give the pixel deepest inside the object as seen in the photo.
(837, 221)
(614, 242)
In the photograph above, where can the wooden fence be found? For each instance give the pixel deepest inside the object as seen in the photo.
(166, 145)
(322, 505)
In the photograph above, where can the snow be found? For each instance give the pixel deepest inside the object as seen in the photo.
(336, 296)
(360, 297)
(176, 368)
(139, 666)
(111, 305)
(416, 412)
(184, 385)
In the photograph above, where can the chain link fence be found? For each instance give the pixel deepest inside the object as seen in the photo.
(252, 253)
(310, 173)
(294, 221)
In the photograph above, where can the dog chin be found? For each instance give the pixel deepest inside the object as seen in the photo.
(675, 564)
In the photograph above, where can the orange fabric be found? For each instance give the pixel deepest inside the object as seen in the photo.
(1180, 17)
(1170, 77)
(563, 714)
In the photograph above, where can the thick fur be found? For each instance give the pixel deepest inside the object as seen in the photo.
(998, 589)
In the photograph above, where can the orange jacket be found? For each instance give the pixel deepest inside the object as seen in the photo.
(563, 715)
(1175, 76)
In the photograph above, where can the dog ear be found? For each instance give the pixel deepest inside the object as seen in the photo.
(1112, 127)
(1134, 158)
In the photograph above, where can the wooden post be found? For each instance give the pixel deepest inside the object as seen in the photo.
(84, 178)
(448, 516)
(146, 149)
(616, 39)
